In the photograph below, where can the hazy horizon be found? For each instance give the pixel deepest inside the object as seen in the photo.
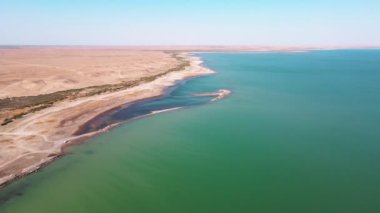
(190, 23)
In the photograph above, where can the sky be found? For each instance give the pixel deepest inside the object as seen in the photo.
(190, 22)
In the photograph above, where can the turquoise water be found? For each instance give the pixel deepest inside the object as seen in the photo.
(300, 133)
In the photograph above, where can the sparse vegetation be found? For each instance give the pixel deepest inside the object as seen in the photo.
(6, 121)
(39, 102)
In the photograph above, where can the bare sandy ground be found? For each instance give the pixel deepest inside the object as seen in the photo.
(37, 138)
(33, 71)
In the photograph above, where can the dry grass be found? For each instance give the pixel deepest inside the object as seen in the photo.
(30, 104)
(37, 71)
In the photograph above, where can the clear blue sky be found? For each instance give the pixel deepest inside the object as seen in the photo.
(190, 22)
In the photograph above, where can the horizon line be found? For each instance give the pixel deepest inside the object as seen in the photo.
(181, 46)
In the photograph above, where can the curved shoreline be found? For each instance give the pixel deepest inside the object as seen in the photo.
(74, 114)
(162, 95)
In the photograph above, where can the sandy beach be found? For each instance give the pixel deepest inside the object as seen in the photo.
(37, 138)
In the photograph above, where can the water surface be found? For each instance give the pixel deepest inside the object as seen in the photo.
(300, 133)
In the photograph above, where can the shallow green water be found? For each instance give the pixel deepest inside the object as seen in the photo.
(300, 133)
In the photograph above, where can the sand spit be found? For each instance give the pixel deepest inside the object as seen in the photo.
(164, 110)
(220, 94)
(37, 138)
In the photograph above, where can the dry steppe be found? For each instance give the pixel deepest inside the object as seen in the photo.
(34, 71)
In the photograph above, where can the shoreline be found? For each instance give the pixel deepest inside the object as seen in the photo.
(165, 93)
(77, 113)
